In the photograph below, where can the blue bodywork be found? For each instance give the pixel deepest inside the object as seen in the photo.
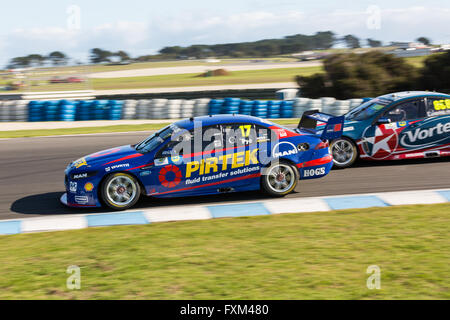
(201, 172)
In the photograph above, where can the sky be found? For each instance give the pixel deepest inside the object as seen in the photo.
(144, 27)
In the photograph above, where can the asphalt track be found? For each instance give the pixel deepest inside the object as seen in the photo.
(31, 176)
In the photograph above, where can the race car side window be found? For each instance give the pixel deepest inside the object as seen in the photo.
(238, 134)
(437, 106)
(208, 139)
(263, 134)
(212, 138)
(408, 110)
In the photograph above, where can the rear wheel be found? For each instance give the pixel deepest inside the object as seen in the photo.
(279, 179)
(120, 191)
(344, 152)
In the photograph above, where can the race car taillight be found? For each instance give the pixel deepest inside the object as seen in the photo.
(322, 145)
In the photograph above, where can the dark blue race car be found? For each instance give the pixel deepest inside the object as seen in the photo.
(204, 155)
(403, 125)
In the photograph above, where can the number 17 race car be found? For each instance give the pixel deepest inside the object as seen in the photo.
(205, 155)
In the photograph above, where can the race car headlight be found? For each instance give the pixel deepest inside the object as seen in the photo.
(82, 175)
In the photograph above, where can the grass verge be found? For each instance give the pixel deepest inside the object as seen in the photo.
(192, 79)
(292, 256)
(105, 129)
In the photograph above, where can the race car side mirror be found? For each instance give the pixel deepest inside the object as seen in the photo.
(384, 121)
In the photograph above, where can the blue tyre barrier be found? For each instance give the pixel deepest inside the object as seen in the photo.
(231, 106)
(273, 109)
(67, 110)
(36, 111)
(114, 110)
(245, 107)
(286, 109)
(84, 110)
(99, 109)
(51, 111)
(259, 109)
(215, 106)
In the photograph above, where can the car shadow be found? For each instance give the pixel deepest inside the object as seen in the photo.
(49, 204)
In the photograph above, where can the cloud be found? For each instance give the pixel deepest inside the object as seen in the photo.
(146, 37)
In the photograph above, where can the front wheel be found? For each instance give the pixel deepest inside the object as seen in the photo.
(279, 179)
(120, 191)
(344, 152)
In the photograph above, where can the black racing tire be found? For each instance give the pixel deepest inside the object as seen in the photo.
(344, 152)
(279, 179)
(120, 191)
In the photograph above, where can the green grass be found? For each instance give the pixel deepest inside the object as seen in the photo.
(192, 79)
(292, 256)
(183, 80)
(105, 129)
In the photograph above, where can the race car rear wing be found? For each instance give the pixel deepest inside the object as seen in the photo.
(333, 125)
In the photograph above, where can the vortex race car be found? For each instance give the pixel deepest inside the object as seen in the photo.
(204, 155)
(403, 125)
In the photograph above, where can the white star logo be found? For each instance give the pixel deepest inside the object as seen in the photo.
(382, 145)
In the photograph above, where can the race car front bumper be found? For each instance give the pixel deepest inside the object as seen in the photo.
(66, 202)
(63, 199)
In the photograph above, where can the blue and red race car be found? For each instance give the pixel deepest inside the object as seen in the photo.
(403, 125)
(205, 155)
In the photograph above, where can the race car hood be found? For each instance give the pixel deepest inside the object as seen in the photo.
(113, 155)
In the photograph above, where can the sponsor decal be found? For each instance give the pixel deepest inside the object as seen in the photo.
(81, 199)
(221, 163)
(313, 172)
(320, 117)
(222, 175)
(283, 149)
(430, 132)
(117, 166)
(88, 187)
(170, 176)
(403, 123)
(262, 138)
(161, 162)
(79, 163)
(145, 173)
(335, 128)
(73, 187)
(176, 159)
(349, 129)
(391, 126)
(80, 176)
(379, 142)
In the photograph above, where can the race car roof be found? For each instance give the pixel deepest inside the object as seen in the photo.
(222, 118)
(409, 94)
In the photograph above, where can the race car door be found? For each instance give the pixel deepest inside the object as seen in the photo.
(381, 140)
(431, 136)
(182, 165)
(240, 158)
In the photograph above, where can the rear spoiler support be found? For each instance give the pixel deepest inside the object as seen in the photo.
(333, 125)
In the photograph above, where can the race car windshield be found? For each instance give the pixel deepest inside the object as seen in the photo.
(364, 111)
(156, 139)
